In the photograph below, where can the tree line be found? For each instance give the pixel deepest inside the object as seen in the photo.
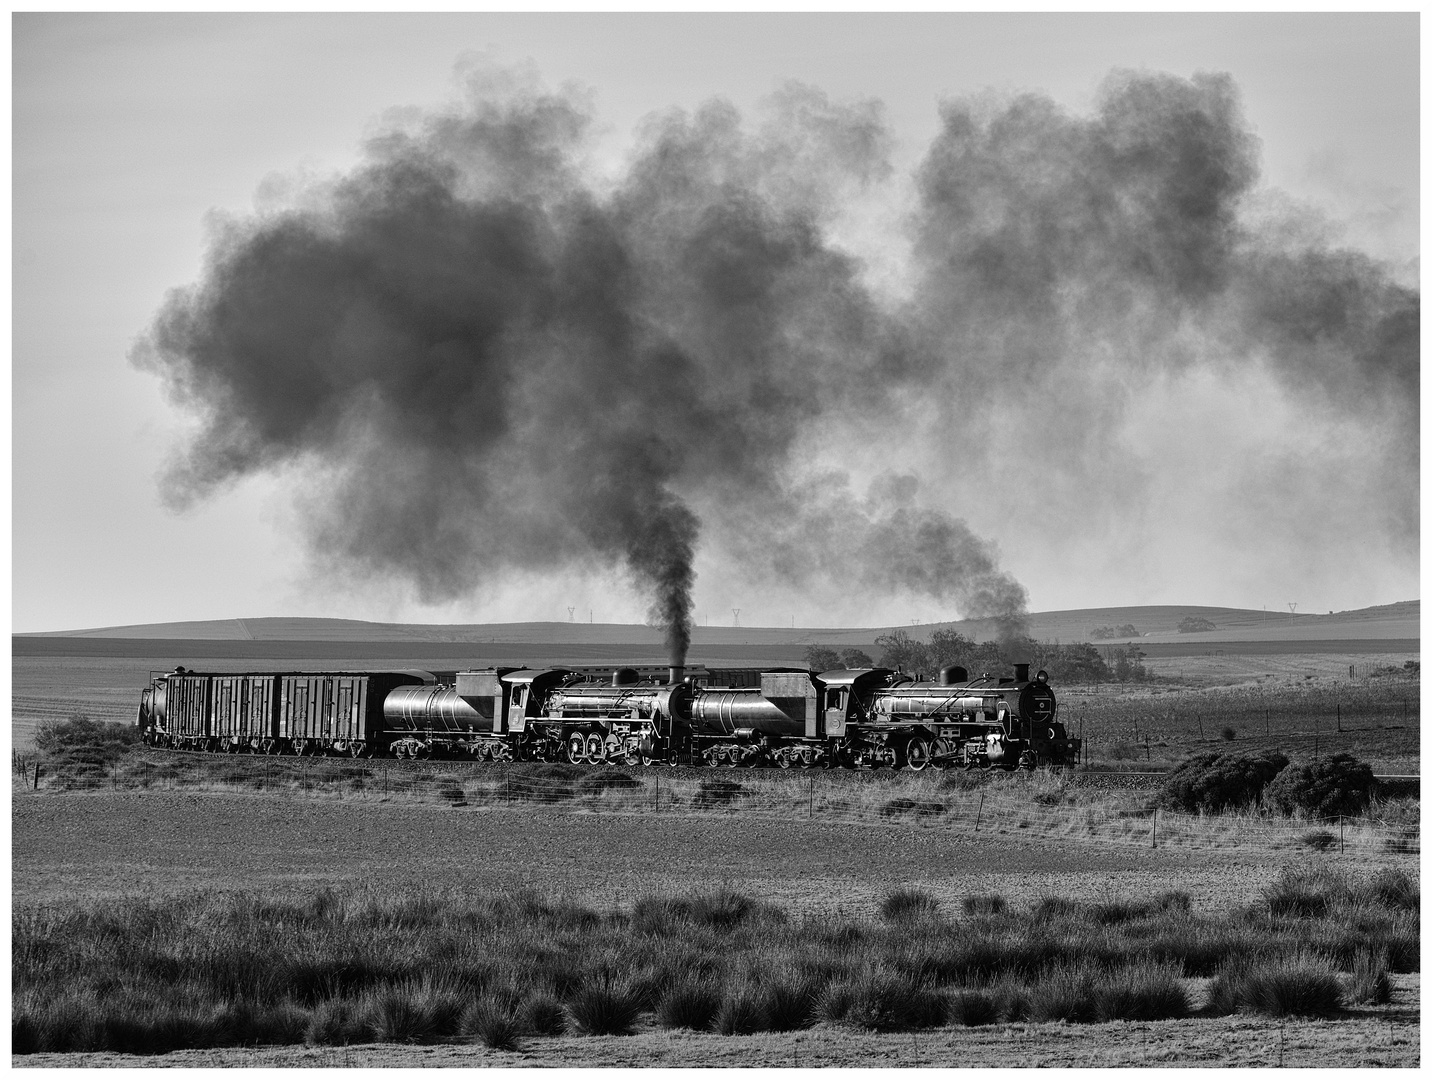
(1079, 662)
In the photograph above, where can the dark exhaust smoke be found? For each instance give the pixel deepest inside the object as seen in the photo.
(472, 356)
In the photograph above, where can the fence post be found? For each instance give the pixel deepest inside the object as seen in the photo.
(1267, 722)
(1200, 725)
(979, 812)
(810, 806)
(1155, 833)
(658, 793)
(1341, 849)
(1339, 717)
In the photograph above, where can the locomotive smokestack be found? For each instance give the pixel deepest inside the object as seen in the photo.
(677, 671)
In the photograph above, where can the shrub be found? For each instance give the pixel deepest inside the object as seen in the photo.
(1298, 985)
(334, 1022)
(80, 733)
(1396, 888)
(1370, 983)
(1228, 734)
(605, 1007)
(607, 779)
(1317, 839)
(991, 904)
(909, 903)
(541, 1014)
(1304, 892)
(492, 1021)
(410, 1012)
(1212, 782)
(1336, 785)
(882, 1002)
(1050, 908)
(1145, 991)
(690, 1003)
(1063, 992)
(741, 1011)
(973, 1007)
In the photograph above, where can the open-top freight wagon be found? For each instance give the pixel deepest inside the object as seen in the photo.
(792, 718)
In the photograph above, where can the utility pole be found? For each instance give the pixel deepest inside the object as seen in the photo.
(735, 616)
(571, 614)
(1292, 611)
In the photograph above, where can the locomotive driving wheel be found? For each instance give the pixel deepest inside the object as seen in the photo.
(596, 748)
(631, 751)
(917, 753)
(576, 748)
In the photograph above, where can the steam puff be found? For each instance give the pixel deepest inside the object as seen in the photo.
(475, 357)
(492, 366)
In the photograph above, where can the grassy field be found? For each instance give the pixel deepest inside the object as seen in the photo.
(498, 971)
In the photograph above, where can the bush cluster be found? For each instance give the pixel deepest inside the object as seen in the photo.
(1327, 788)
(1217, 781)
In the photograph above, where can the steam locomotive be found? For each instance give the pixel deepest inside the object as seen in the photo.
(787, 718)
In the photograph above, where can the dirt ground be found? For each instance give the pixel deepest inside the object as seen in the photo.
(65, 846)
(109, 844)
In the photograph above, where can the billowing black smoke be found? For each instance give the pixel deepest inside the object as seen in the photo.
(480, 357)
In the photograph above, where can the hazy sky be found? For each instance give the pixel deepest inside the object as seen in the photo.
(131, 131)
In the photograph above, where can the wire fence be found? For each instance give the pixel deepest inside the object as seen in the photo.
(1042, 806)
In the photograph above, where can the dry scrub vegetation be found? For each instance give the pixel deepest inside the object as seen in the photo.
(351, 966)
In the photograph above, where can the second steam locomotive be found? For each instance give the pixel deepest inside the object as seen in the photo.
(870, 717)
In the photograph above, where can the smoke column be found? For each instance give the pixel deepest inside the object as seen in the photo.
(473, 356)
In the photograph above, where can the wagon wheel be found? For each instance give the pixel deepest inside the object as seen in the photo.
(596, 748)
(576, 748)
(917, 753)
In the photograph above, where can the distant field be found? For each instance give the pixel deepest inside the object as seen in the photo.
(1155, 624)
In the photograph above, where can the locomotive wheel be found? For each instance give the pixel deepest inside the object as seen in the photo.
(917, 753)
(358, 748)
(887, 757)
(783, 759)
(631, 752)
(731, 758)
(596, 748)
(576, 747)
(300, 747)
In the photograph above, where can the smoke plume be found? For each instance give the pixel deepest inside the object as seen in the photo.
(473, 355)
